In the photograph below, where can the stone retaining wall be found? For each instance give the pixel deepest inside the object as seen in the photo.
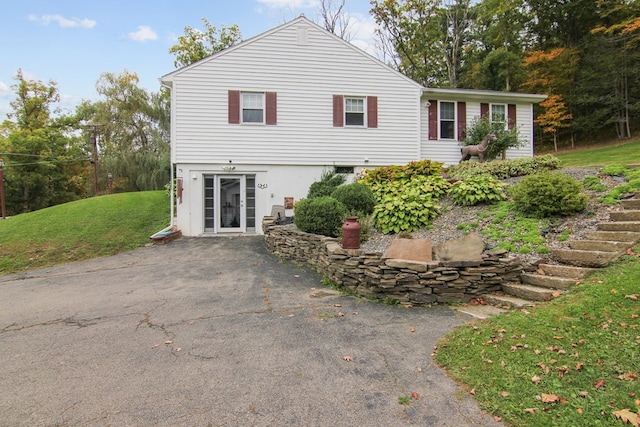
(371, 275)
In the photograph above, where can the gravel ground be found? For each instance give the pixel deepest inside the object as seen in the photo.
(445, 225)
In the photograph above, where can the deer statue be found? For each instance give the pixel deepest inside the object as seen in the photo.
(477, 150)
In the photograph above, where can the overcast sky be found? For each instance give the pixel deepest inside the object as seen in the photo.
(72, 41)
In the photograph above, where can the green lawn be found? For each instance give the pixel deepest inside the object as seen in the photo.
(623, 153)
(81, 230)
(570, 362)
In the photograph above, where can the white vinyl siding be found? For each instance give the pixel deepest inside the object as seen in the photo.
(305, 79)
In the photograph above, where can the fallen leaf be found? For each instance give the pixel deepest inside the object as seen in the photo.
(167, 342)
(530, 410)
(579, 366)
(629, 376)
(296, 275)
(412, 330)
(340, 314)
(155, 346)
(414, 395)
(541, 272)
(348, 358)
(472, 392)
(497, 418)
(505, 394)
(549, 398)
(599, 384)
(178, 349)
(536, 379)
(628, 417)
(614, 291)
(632, 296)
(583, 394)
(630, 252)
(337, 305)
(555, 294)
(580, 411)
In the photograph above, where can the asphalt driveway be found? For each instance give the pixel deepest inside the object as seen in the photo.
(215, 332)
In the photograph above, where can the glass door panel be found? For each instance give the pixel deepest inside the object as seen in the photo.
(231, 194)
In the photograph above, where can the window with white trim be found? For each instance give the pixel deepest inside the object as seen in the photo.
(499, 114)
(353, 111)
(252, 107)
(447, 120)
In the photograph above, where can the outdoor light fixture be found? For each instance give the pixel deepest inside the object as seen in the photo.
(4, 213)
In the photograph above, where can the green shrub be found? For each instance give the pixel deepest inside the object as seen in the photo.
(408, 211)
(503, 169)
(320, 215)
(614, 170)
(329, 181)
(631, 186)
(476, 190)
(593, 183)
(505, 138)
(357, 198)
(548, 193)
(384, 175)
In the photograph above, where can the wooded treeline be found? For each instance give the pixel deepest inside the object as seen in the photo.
(583, 53)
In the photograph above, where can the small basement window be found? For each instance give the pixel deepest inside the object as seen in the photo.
(344, 169)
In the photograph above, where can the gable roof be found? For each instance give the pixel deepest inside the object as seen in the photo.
(167, 79)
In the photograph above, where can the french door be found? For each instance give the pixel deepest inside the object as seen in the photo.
(229, 203)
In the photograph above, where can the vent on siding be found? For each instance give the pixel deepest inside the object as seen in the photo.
(303, 36)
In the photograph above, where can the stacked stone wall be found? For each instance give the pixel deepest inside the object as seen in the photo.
(411, 282)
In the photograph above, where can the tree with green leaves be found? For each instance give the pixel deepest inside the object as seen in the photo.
(41, 153)
(196, 44)
(131, 126)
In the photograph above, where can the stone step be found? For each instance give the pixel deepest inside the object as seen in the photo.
(626, 215)
(617, 236)
(502, 300)
(619, 226)
(599, 245)
(630, 203)
(584, 258)
(531, 293)
(551, 282)
(568, 271)
(469, 313)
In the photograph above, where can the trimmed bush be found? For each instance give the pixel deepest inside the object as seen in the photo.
(408, 211)
(320, 215)
(503, 169)
(357, 198)
(329, 181)
(476, 190)
(547, 194)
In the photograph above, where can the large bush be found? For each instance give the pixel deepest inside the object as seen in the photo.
(329, 181)
(506, 138)
(384, 175)
(547, 194)
(320, 215)
(357, 198)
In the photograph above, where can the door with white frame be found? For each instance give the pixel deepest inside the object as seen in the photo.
(229, 203)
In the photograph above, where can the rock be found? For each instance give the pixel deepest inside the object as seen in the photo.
(467, 248)
(410, 250)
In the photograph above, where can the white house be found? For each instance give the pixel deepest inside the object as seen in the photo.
(256, 124)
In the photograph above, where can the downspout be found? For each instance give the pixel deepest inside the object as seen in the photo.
(172, 180)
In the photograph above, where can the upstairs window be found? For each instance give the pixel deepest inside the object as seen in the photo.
(353, 111)
(252, 105)
(447, 120)
(499, 114)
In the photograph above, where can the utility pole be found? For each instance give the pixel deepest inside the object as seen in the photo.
(4, 213)
(94, 128)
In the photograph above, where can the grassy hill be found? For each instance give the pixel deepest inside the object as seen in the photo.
(623, 153)
(81, 230)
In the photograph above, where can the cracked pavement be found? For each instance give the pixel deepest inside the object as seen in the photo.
(215, 332)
